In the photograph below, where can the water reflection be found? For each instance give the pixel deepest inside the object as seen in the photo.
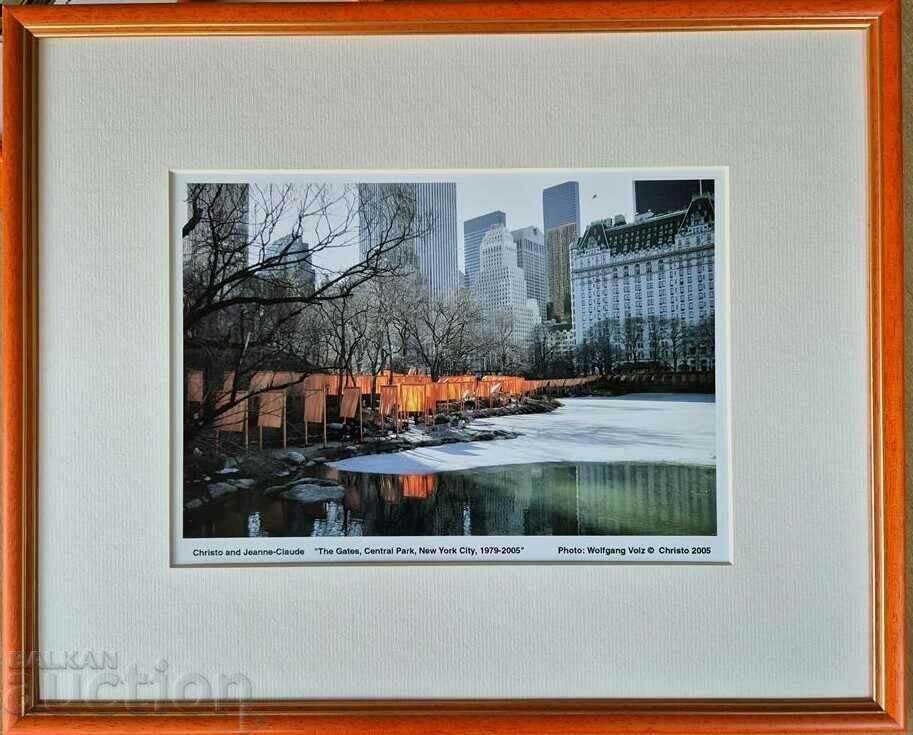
(561, 499)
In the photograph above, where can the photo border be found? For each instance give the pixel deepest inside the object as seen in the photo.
(178, 178)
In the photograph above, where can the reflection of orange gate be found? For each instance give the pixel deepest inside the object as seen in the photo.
(394, 488)
(418, 486)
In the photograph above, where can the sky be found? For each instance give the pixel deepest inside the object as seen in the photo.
(519, 196)
(518, 193)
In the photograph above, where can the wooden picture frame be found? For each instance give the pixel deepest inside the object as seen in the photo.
(24, 28)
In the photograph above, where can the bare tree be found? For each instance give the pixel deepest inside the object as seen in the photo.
(380, 343)
(244, 299)
(230, 241)
(348, 320)
(633, 337)
(677, 339)
(605, 337)
(586, 357)
(443, 333)
(702, 337)
(656, 335)
(541, 352)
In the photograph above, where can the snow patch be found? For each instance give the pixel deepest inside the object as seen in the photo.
(633, 428)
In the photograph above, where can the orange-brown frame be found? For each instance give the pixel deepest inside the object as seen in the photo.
(24, 712)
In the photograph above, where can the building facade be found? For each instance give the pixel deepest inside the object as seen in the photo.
(558, 242)
(561, 205)
(533, 259)
(561, 217)
(650, 285)
(560, 341)
(500, 287)
(425, 216)
(473, 231)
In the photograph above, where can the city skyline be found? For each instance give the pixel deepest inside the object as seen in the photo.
(545, 260)
(516, 193)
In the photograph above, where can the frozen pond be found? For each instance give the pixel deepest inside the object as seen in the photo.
(596, 466)
(637, 428)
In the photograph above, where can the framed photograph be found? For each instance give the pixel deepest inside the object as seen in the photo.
(528, 367)
(354, 390)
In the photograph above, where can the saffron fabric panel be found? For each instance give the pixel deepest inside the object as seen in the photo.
(365, 383)
(272, 409)
(315, 405)
(389, 399)
(195, 386)
(412, 397)
(348, 407)
(234, 418)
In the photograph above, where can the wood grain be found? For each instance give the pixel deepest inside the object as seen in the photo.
(403, 17)
(13, 380)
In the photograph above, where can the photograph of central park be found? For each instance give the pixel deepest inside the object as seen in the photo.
(514, 353)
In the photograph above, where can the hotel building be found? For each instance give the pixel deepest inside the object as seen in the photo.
(659, 266)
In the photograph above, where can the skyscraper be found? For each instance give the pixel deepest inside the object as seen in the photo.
(500, 287)
(533, 259)
(473, 231)
(561, 215)
(295, 263)
(388, 223)
(425, 215)
(561, 205)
